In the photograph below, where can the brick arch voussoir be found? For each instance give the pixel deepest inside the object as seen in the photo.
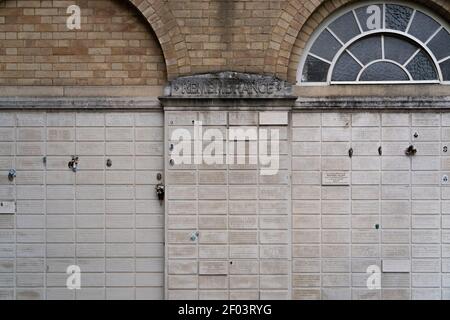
(297, 22)
(169, 35)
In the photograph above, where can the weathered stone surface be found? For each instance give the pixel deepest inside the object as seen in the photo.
(228, 84)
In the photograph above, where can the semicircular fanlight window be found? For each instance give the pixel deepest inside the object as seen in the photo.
(379, 43)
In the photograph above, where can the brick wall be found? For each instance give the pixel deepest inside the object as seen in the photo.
(115, 46)
(227, 35)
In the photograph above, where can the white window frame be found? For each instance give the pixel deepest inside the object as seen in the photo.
(383, 31)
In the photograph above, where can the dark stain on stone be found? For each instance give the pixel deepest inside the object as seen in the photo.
(7, 265)
(29, 295)
(225, 18)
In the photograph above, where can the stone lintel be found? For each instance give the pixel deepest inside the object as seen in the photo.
(228, 90)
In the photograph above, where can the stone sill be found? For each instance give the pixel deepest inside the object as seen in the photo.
(79, 103)
(375, 90)
(376, 104)
(229, 103)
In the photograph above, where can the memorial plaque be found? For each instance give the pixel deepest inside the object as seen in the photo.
(229, 84)
(7, 207)
(336, 178)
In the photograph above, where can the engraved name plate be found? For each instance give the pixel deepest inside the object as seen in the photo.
(229, 84)
(336, 178)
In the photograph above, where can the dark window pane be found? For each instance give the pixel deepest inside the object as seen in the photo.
(384, 71)
(326, 46)
(399, 50)
(315, 70)
(345, 27)
(440, 45)
(445, 67)
(346, 68)
(367, 49)
(364, 17)
(397, 17)
(423, 27)
(422, 68)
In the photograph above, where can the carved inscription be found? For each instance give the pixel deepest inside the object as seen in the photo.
(230, 84)
(336, 178)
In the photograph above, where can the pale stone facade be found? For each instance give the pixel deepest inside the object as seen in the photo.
(346, 196)
(243, 250)
(106, 220)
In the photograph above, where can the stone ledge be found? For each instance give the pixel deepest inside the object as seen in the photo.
(227, 103)
(374, 104)
(78, 103)
(81, 91)
(374, 90)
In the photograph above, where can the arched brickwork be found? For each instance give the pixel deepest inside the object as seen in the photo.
(168, 33)
(298, 20)
(115, 46)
